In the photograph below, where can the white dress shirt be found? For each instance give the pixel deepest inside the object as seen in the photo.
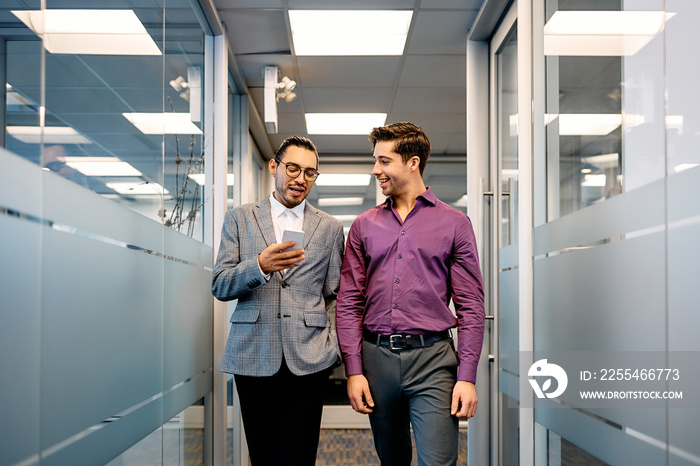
(284, 218)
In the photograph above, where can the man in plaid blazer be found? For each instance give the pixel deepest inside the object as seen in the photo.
(283, 344)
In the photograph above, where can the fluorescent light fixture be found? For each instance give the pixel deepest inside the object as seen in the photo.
(461, 202)
(101, 166)
(141, 188)
(340, 201)
(675, 122)
(593, 181)
(163, 123)
(601, 33)
(685, 166)
(349, 32)
(91, 32)
(603, 161)
(343, 123)
(346, 218)
(47, 135)
(586, 124)
(332, 179)
(200, 180)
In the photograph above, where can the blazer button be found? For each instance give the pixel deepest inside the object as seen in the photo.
(278, 315)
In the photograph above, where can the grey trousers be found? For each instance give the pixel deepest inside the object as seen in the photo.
(413, 387)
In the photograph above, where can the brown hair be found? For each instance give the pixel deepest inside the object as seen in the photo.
(409, 141)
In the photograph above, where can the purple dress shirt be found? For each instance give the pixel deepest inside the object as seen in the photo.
(398, 277)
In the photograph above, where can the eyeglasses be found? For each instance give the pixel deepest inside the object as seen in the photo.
(293, 171)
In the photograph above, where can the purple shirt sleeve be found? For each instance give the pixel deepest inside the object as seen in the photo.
(351, 302)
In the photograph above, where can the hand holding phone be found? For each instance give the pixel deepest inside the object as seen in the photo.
(293, 235)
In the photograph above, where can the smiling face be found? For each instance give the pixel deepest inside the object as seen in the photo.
(289, 191)
(393, 175)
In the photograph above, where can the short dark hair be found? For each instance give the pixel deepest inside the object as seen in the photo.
(299, 141)
(410, 141)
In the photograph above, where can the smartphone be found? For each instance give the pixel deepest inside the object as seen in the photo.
(293, 235)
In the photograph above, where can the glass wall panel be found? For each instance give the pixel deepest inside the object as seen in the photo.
(609, 274)
(683, 170)
(107, 305)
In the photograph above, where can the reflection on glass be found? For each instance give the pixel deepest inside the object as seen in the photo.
(88, 124)
(605, 126)
(508, 136)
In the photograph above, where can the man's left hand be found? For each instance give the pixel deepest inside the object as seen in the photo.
(464, 400)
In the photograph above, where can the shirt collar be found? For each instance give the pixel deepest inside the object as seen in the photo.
(278, 208)
(427, 195)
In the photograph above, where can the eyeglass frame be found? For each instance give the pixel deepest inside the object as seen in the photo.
(306, 171)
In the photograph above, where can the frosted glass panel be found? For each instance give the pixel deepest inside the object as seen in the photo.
(20, 306)
(591, 299)
(684, 299)
(109, 333)
(93, 335)
(604, 441)
(604, 221)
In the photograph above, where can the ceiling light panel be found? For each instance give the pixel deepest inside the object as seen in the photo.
(345, 32)
(340, 201)
(163, 123)
(92, 32)
(47, 135)
(343, 123)
(333, 179)
(601, 33)
(101, 166)
(585, 124)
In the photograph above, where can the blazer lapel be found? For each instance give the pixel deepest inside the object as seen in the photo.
(264, 219)
(311, 221)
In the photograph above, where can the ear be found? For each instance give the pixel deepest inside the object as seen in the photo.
(415, 162)
(272, 167)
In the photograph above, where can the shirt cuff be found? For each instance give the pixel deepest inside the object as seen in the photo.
(466, 373)
(266, 276)
(353, 365)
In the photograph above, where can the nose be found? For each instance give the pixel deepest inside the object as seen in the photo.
(376, 170)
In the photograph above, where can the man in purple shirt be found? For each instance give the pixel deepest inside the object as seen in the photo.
(405, 259)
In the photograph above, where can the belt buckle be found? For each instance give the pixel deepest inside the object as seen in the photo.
(392, 342)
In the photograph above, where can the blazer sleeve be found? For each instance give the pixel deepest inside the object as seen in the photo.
(233, 277)
(332, 282)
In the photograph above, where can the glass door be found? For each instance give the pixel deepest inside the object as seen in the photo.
(504, 256)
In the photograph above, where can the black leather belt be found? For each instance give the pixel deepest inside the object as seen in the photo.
(401, 341)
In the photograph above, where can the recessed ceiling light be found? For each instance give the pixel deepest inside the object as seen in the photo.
(601, 33)
(163, 123)
(141, 188)
(343, 123)
(461, 202)
(200, 179)
(101, 166)
(345, 218)
(349, 32)
(340, 201)
(92, 32)
(586, 124)
(47, 135)
(685, 166)
(333, 179)
(594, 181)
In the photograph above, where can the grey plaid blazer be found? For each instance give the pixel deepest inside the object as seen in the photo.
(292, 314)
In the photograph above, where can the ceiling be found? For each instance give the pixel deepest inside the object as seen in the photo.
(425, 85)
